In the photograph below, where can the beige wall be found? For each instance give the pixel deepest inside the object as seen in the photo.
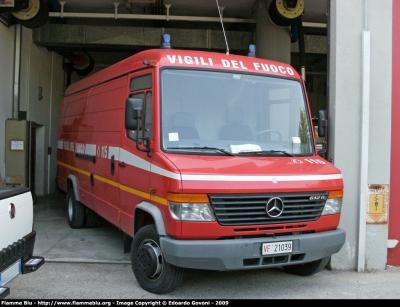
(6, 85)
(360, 122)
(38, 67)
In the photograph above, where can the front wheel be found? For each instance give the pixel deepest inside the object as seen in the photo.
(148, 264)
(307, 269)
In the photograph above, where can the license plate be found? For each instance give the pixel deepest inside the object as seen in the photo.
(10, 273)
(277, 248)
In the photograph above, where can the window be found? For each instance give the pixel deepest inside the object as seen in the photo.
(141, 88)
(206, 111)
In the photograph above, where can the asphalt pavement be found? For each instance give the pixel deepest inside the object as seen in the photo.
(91, 264)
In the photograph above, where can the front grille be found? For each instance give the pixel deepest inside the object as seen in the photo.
(250, 209)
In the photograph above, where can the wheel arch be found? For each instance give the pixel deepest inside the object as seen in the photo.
(72, 183)
(146, 213)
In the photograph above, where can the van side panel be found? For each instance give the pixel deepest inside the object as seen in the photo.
(107, 102)
(89, 140)
(78, 137)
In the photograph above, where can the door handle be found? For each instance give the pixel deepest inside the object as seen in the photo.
(121, 164)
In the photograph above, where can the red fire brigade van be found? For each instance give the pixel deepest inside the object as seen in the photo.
(204, 160)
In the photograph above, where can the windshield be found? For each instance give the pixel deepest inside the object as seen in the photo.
(225, 113)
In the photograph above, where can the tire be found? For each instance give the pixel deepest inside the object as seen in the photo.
(34, 16)
(307, 269)
(83, 63)
(91, 219)
(148, 265)
(75, 210)
(279, 19)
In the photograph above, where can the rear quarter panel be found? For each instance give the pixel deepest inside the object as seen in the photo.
(13, 229)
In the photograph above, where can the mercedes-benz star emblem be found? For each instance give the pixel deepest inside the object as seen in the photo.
(274, 207)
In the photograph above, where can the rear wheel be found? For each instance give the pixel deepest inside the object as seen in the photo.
(150, 269)
(307, 269)
(92, 219)
(75, 210)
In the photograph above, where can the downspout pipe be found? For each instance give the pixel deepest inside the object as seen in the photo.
(17, 70)
(364, 155)
(302, 49)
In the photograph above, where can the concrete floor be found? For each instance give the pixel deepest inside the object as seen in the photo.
(91, 270)
(57, 242)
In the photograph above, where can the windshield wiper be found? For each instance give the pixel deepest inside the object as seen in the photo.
(204, 147)
(264, 152)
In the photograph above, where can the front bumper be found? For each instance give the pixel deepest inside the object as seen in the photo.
(240, 254)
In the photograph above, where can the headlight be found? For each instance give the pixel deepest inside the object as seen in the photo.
(188, 207)
(334, 203)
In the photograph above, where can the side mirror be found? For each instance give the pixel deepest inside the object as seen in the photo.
(322, 123)
(322, 130)
(133, 108)
(133, 121)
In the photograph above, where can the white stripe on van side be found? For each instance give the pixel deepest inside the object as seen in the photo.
(260, 178)
(162, 172)
(131, 159)
(121, 154)
(113, 151)
(90, 149)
